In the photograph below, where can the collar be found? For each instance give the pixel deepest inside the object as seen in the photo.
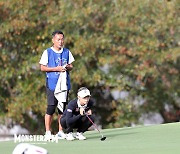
(79, 105)
(60, 51)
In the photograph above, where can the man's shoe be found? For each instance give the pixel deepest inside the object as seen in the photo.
(80, 136)
(70, 137)
(61, 135)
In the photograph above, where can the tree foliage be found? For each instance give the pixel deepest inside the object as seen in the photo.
(118, 45)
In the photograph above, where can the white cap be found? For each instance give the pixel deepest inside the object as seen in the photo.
(26, 148)
(83, 93)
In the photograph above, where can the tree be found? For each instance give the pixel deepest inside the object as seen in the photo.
(118, 45)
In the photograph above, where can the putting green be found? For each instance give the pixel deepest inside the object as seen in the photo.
(154, 139)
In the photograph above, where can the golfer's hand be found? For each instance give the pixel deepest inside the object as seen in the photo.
(82, 111)
(89, 112)
(60, 69)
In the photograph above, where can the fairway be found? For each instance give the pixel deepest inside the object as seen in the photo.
(154, 139)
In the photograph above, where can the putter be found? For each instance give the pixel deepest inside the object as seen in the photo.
(102, 137)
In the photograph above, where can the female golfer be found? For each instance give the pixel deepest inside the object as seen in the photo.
(74, 115)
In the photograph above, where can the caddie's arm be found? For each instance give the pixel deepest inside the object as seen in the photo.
(52, 69)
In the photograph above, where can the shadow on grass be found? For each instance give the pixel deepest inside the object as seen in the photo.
(109, 135)
(121, 129)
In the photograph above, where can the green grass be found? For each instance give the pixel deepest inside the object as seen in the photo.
(155, 139)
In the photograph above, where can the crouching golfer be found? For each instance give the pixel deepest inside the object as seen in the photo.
(74, 115)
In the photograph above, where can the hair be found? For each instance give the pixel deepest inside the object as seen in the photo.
(82, 88)
(57, 32)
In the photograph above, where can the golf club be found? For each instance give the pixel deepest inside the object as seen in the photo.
(102, 137)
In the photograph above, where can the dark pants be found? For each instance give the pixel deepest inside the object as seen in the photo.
(52, 102)
(82, 124)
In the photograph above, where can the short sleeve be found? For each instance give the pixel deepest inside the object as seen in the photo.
(71, 58)
(44, 58)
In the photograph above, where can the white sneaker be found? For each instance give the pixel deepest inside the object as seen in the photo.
(48, 136)
(80, 136)
(70, 137)
(61, 135)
